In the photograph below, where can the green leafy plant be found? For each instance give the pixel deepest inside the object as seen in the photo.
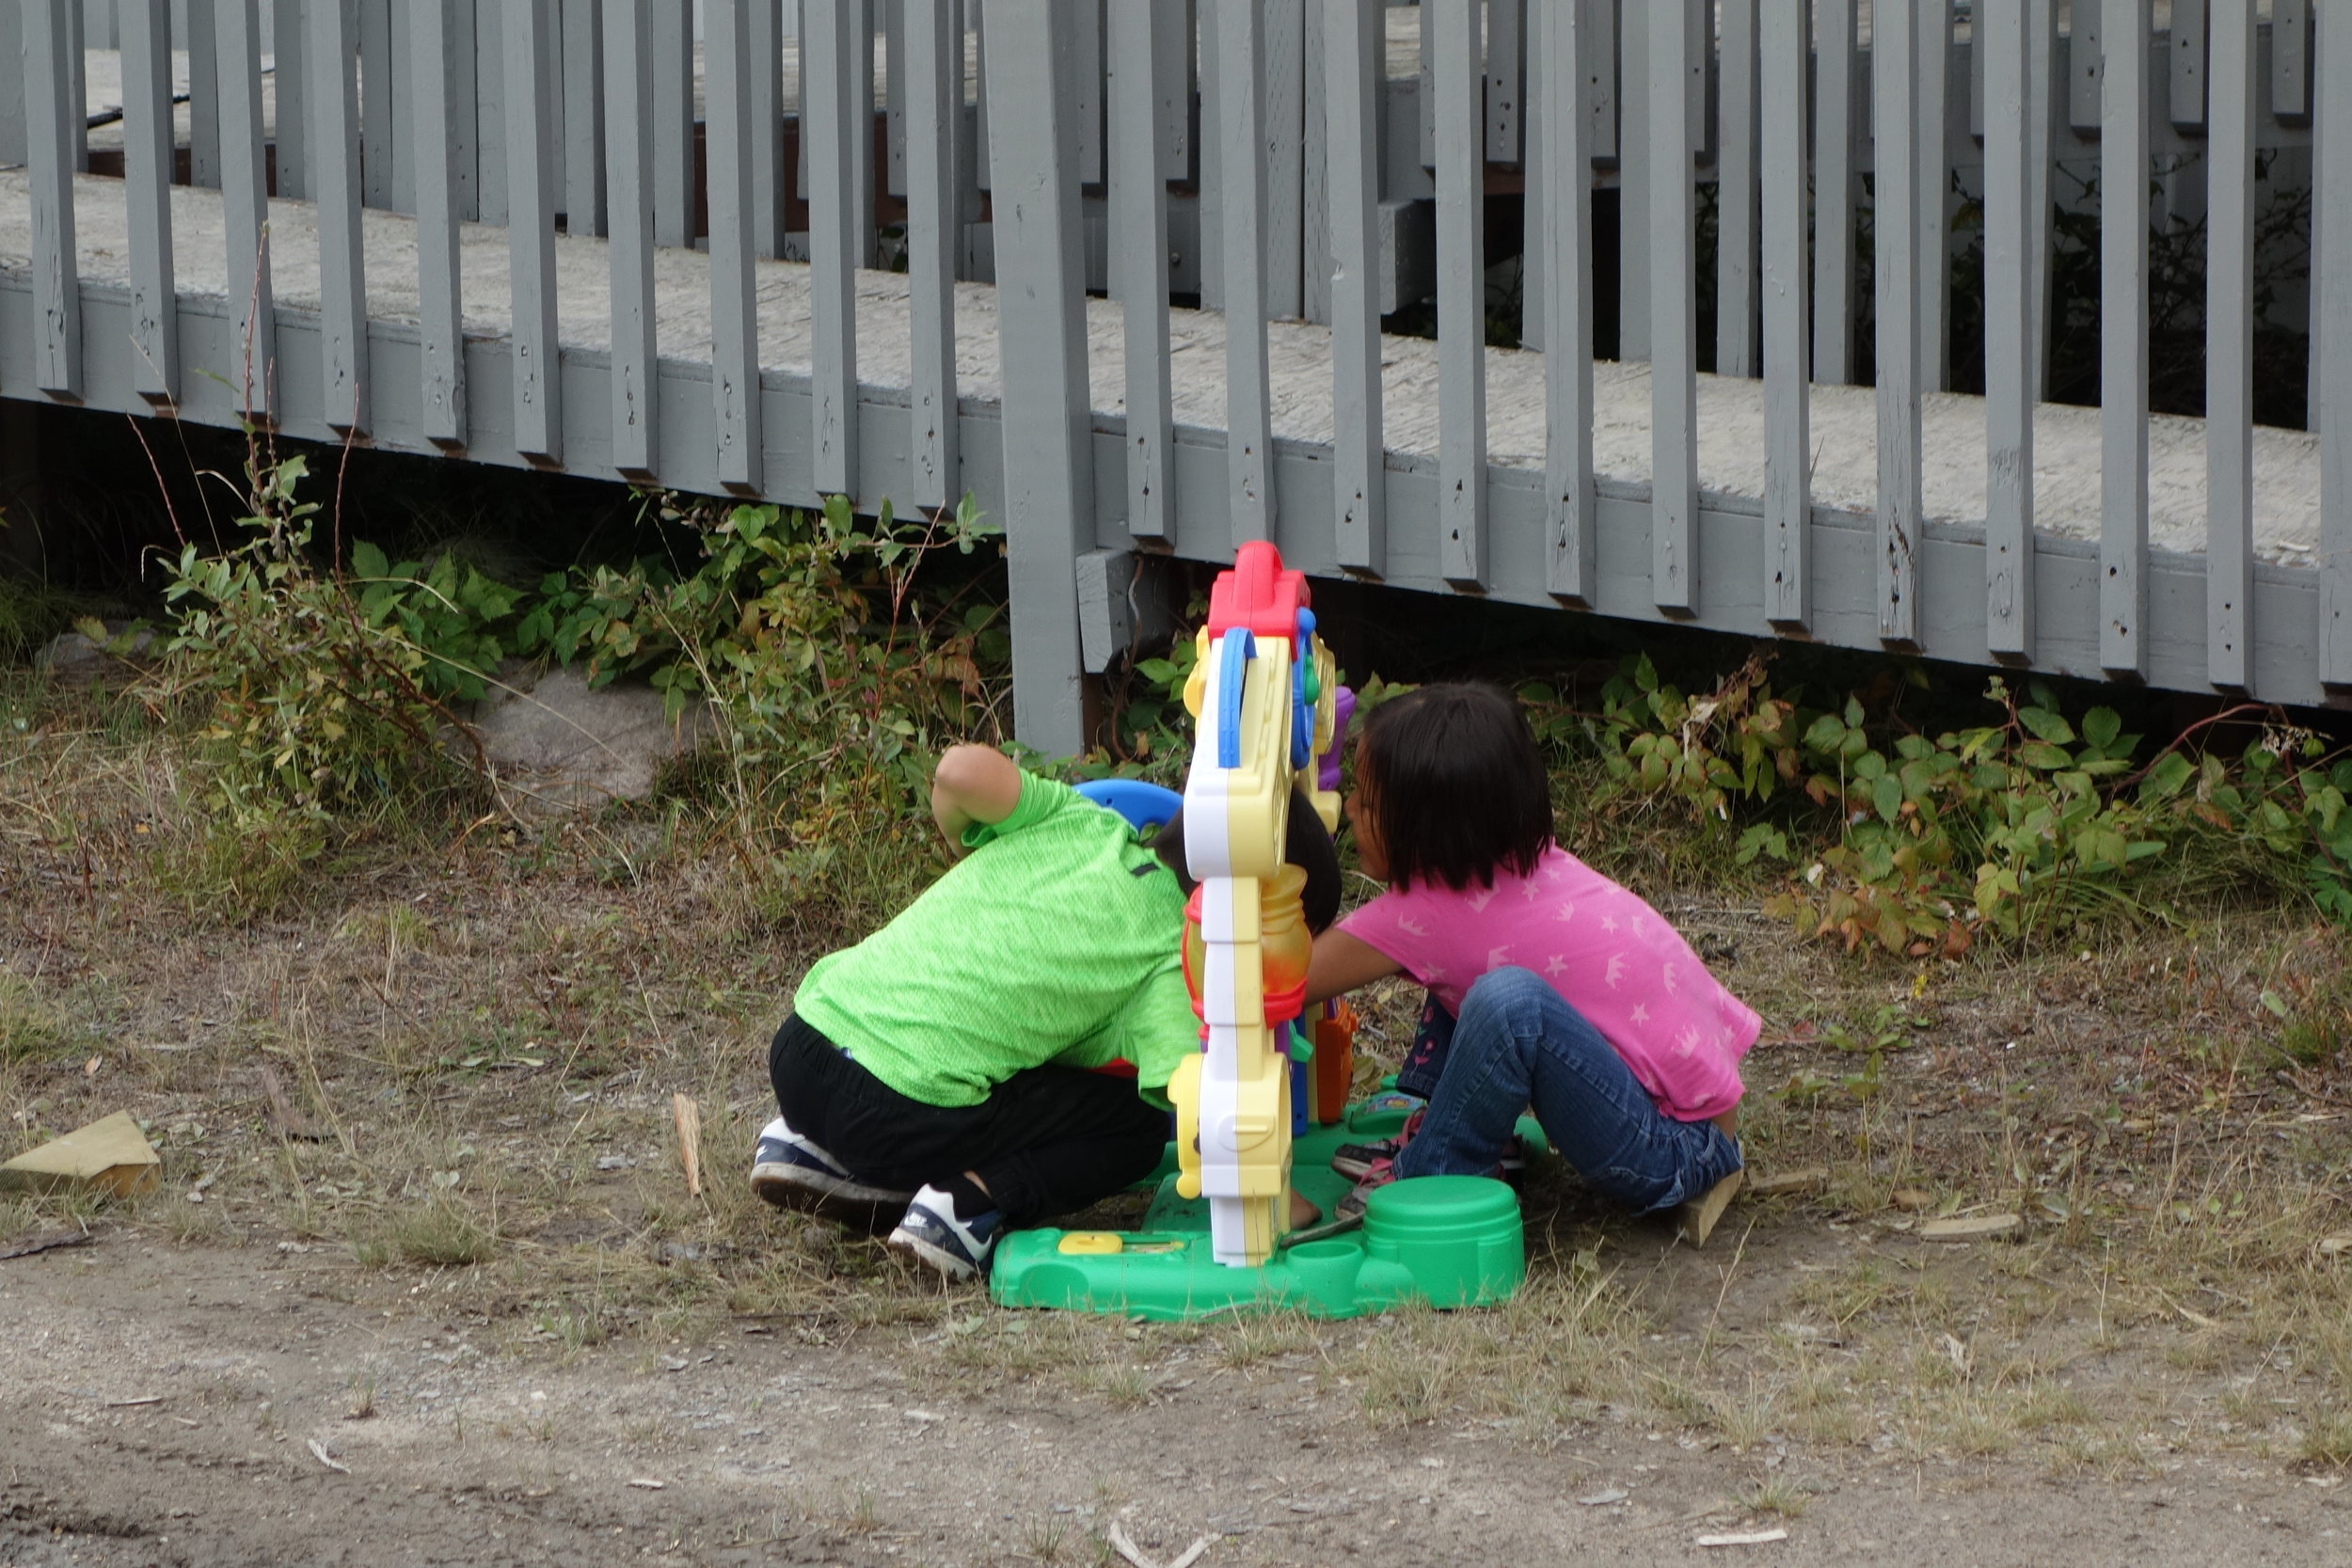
(1919, 842)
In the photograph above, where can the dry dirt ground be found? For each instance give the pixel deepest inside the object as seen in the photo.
(469, 1313)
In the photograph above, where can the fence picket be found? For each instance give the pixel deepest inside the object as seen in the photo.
(1506, 78)
(57, 265)
(628, 205)
(432, 44)
(865, 237)
(1930, 124)
(1281, 60)
(1736, 194)
(933, 75)
(245, 201)
(203, 46)
(334, 93)
(1048, 463)
(1458, 68)
(2123, 172)
(830, 53)
(1353, 50)
(766, 44)
(2332, 350)
(527, 57)
(2085, 67)
(1174, 25)
(583, 118)
(1834, 134)
(1138, 267)
(2008, 540)
(145, 29)
(1242, 172)
(12, 149)
(728, 136)
(1784, 67)
(2230, 350)
(673, 118)
(1600, 75)
(1559, 136)
(1635, 153)
(289, 37)
(2044, 105)
(2186, 104)
(2291, 60)
(1674, 317)
(1895, 68)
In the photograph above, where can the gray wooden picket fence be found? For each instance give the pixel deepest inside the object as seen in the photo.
(1328, 161)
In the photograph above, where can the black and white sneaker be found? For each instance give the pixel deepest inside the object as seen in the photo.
(790, 1172)
(957, 1245)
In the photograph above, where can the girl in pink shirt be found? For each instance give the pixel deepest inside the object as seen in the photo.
(1551, 986)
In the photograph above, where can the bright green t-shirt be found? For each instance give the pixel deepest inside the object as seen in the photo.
(1056, 940)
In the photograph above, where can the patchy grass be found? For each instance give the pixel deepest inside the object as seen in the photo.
(486, 1021)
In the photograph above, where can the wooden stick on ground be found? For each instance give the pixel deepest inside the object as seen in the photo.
(1697, 1219)
(689, 1118)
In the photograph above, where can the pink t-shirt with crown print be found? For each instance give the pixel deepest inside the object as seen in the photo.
(1608, 954)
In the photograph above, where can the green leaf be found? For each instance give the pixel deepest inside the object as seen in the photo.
(2044, 756)
(2101, 725)
(368, 562)
(2046, 724)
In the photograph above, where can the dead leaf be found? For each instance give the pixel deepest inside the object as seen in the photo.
(1804, 1178)
(1976, 1228)
(689, 1119)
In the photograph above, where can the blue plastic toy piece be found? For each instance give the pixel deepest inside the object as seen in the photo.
(1144, 805)
(1240, 648)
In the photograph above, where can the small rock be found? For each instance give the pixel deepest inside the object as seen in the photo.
(76, 660)
(564, 745)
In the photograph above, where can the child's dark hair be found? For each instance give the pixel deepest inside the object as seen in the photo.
(1450, 779)
(1305, 846)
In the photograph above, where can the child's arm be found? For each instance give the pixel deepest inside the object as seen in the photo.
(972, 784)
(1341, 963)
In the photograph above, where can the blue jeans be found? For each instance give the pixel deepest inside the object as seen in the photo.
(1516, 1044)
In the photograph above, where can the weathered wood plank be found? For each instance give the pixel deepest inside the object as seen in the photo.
(12, 149)
(433, 43)
(2123, 173)
(1139, 266)
(76, 88)
(2230, 348)
(734, 317)
(1461, 298)
(629, 203)
(145, 28)
(1174, 26)
(1048, 450)
(583, 117)
(866, 238)
(57, 266)
(2186, 85)
(1673, 315)
(1559, 149)
(1894, 69)
(1600, 76)
(1314, 241)
(830, 54)
(2045, 100)
(1784, 70)
(933, 75)
(891, 19)
(1836, 136)
(1354, 50)
(1242, 174)
(1737, 195)
(2008, 543)
(245, 196)
(486, 111)
(334, 92)
(672, 74)
(1209, 151)
(2333, 352)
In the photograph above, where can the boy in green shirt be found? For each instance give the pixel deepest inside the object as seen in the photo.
(938, 1071)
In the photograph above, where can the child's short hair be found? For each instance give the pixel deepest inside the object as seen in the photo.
(1455, 788)
(1305, 846)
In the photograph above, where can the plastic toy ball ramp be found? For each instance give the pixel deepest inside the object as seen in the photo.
(1446, 1240)
(1265, 693)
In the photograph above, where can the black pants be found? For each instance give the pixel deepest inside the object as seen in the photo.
(1049, 1141)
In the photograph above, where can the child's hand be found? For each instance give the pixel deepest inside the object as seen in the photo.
(1303, 1213)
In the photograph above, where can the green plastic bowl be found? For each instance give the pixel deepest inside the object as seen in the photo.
(1457, 1236)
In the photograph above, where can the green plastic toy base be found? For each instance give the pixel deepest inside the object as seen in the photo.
(1447, 1241)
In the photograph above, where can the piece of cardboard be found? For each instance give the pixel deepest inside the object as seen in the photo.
(111, 1156)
